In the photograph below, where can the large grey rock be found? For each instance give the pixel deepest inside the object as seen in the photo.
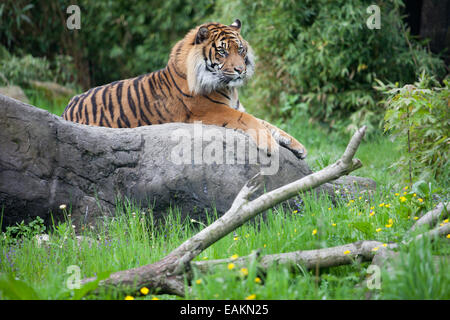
(46, 161)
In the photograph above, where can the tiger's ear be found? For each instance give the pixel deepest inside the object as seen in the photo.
(236, 24)
(202, 35)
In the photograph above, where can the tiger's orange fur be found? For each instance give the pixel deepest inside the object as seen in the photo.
(199, 83)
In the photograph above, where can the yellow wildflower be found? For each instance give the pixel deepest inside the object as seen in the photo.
(397, 194)
(381, 204)
(155, 298)
(402, 199)
(375, 248)
(144, 290)
(265, 245)
(445, 221)
(405, 188)
(235, 238)
(388, 225)
(414, 195)
(371, 213)
(347, 252)
(234, 256)
(205, 258)
(415, 218)
(388, 205)
(333, 224)
(371, 208)
(198, 281)
(420, 200)
(314, 232)
(384, 245)
(448, 236)
(391, 221)
(329, 209)
(251, 297)
(378, 230)
(405, 192)
(258, 280)
(244, 271)
(231, 266)
(129, 298)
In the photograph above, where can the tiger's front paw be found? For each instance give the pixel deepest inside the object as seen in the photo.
(293, 145)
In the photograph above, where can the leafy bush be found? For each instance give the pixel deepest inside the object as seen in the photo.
(19, 70)
(417, 118)
(321, 56)
(25, 230)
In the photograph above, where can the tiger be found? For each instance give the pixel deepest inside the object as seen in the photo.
(199, 83)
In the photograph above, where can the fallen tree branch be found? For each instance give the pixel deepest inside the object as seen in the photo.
(433, 216)
(167, 275)
(309, 259)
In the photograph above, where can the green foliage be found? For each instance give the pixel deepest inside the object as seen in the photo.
(321, 55)
(15, 289)
(22, 230)
(417, 119)
(19, 70)
(417, 274)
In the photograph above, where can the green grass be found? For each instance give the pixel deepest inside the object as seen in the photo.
(131, 239)
(39, 99)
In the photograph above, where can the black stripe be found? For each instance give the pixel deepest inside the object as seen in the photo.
(71, 106)
(223, 94)
(119, 99)
(80, 105)
(188, 112)
(110, 106)
(101, 119)
(218, 102)
(86, 115)
(157, 111)
(167, 84)
(159, 83)
(152, 88)
(136, 89)
(94, 103)
(131, 102)
(179, 73)
(106, 120)
(146, 102)
(176, 86)
(119, 123)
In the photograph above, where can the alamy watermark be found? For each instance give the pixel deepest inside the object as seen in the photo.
(374, 280)
(374, 21)
(74, 20)
(209, 145)
(74, 280)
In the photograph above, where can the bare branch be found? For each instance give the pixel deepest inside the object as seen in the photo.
(309, 259)
(433, 216)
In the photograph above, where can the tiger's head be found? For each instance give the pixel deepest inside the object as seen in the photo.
(217, 57)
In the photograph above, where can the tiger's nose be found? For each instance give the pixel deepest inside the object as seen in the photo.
(239, 69)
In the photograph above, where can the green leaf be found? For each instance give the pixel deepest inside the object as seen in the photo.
(15, 289)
